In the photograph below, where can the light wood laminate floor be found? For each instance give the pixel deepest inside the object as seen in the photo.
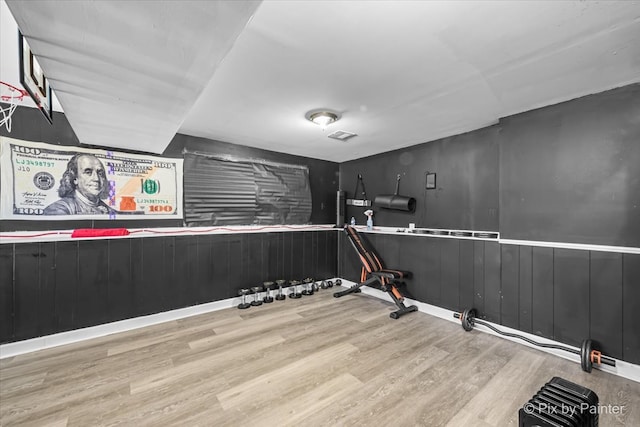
(317, 361)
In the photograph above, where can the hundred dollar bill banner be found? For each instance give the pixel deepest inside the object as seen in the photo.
(42, 181)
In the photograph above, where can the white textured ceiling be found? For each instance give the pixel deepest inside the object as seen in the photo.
(131, 74)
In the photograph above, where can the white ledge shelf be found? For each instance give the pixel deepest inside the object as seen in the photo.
(65, 235)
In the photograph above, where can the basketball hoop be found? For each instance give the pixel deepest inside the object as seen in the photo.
(11, 96)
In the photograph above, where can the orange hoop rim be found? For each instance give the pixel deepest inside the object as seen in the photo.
(21, 93)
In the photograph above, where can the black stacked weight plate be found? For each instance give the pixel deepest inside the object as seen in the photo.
(566, 400)
(560, 403)
(551, 412)
(585, 396)
(564, 409)
(569, 406)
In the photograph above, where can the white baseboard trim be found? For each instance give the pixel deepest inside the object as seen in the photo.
(623, 369)
(77, 335)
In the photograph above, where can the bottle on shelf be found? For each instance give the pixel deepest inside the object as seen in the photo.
(369, 214)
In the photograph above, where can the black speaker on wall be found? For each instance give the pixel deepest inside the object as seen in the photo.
(340, 208)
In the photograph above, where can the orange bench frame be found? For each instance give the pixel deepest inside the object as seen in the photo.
(374, 274)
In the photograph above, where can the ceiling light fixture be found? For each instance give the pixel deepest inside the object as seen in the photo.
(322, 117)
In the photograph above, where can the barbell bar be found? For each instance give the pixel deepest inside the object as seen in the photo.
(589, 354)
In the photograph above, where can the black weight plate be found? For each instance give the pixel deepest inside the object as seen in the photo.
(467, 319)
(585, 356)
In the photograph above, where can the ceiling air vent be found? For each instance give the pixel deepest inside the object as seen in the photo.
(341, 135)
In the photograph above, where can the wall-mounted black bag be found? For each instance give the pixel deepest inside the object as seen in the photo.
(395, 201)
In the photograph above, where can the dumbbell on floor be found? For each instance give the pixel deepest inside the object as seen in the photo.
(256, 291)
(329, 283)
(588, 353)
(244, 304)
(308, 290)
(267, 297)
(294, 289)
(280, 296)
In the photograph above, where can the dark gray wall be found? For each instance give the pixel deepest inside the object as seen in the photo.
(466, 168)
(571, 172)
(565, 173)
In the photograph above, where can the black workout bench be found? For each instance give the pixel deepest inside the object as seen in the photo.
(375, 275)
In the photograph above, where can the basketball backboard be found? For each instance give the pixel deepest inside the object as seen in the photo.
(33, 79)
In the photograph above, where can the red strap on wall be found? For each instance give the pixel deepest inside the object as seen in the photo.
(99, 232)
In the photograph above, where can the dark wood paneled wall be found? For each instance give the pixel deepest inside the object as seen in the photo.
(564, 173)
(571, 172)
(467, 176)
(52, 287)
(563, 294)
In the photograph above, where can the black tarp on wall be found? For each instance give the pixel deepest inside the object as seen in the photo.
(239, 192)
